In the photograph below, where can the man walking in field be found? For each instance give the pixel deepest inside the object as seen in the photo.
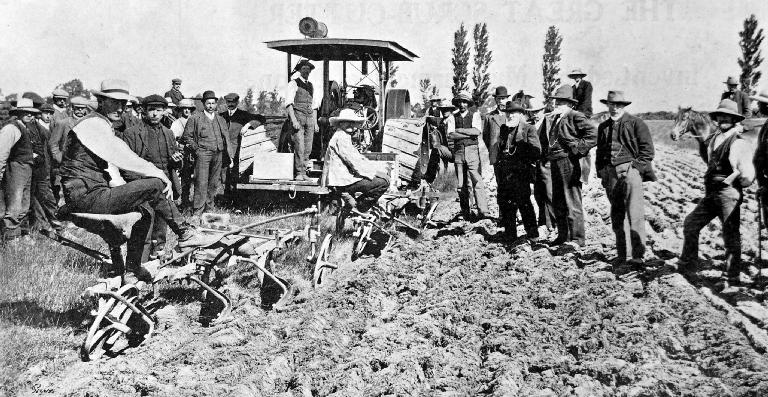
(624, 161)
(729, 170)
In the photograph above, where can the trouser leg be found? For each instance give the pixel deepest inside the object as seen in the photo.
(728, 202)
(187, 170)
(461, 181)
(635, 210)
(158, 234)
(574, 204)
(503, 193)
(16, 190)
(370, 192)
(43, 203)
(521, 196)
(214, 178)
(560, 177)
(472, 160)
(302, 143)
(704, 213)
(202, 172)
(542, 190)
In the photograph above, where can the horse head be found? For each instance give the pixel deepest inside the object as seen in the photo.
(688, 121)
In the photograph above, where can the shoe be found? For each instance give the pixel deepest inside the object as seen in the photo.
(637, 264)
(556, 242)
(137, 275)
(193, 238)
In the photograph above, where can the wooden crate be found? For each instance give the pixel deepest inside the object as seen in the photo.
(272, 165)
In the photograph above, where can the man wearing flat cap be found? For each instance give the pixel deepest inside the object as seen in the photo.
(175, 92)
(90, 174)
(236, 119)
(624, 161)
(206, 134)
(301, 104)
(566, 137)
(582, 92)
(17, 159)
(738, 96)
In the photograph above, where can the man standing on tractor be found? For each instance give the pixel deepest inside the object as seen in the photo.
(582, 92)
(175, 92)
(301, 107)
(349, 171)
(466, 155)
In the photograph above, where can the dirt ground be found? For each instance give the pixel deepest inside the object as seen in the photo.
(461, 312)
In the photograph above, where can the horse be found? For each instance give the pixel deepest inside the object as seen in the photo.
(691, 122)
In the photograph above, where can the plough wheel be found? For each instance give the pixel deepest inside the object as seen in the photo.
(363, 237)
(109, 325)
(323, 269)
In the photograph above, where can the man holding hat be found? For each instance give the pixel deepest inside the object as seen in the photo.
(729, 171)
(236, 119)
(566, 136)
(741, 98)
(582, 92)
(175, 92)
(89, 176)
(466, 155)
(349, 171)
(301, 106)
(207, 136)
(518, 148)
(624, 161)
(17, 159)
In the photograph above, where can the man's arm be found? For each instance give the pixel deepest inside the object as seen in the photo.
(188, 137)
(741, 151)
(587, 102)
(587, 138)
(745, 104)
(534, 145)
(356, 162)
(9, 135)
(472, 131)
(645, 149)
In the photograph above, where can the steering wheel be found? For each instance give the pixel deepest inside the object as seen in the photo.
(371, 117)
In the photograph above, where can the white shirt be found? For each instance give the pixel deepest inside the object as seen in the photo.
(290, 93)
(209, 115)
(178, 127)
(345, 164)
(476, 122)
(9, 135)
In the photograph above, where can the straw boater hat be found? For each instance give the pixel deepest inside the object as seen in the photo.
(762, 96)
(728, 108)
(501, 91)
(731, 81)
(347, 115)
(59, 93)
(115, 89)
(186, 103)
(576, 73)
(463, 96)
(616, 97)
(564, 92)
(303, 62)
(24, 105)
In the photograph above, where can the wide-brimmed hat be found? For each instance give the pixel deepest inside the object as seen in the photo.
(37, 100)
(576, 72)
(78, 101)
(616, 97)
(115, 89)
(176, 81)
(232, 97)
(155, 100)
(303, 62)
(463, 96)
(59, 93)
(446, 104)
(564, 92)
(761, 96)
(731, 81)
(728, 108)
(186, 103)
(500, 91)
(513, 106)
(435, 97)
(209, 95)
(24, 105)
(347, 115)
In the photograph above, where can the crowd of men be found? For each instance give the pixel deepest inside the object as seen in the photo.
(124, 153)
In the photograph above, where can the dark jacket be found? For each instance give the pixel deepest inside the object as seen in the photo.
(234, 124)
(583, 94)
(633, 136)
(574, 132)
(761, 156)
(491, 128)
(175, 95)
(191, 136)
(742, 101)
(519, 144)
(138, 139)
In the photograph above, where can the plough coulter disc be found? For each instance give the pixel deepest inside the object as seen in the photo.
(323, 268)
(109, 325)
(363, 237)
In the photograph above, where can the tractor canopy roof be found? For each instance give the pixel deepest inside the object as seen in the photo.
(343, 49)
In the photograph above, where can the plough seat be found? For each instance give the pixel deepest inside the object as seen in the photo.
(114, 229)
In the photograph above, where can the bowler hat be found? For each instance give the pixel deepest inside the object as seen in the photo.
(728, 108)
(24, 105)
(59, 93)
(115, 89)
(500, 91)
(303, 62)
(154, 100)
(78, 101)
(576, 73)
(463, 96)
(176, 81)
(564, 92)
(616, 97)
(186, 103)
(513, 106)
(209, 95)
(346, 115)
(762, 96)
(232, 97)
(731, 81)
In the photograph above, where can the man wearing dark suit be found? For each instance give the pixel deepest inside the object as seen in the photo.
(175, 92)
(207, 135)
(740, 97)
(624, 161)
(566, 136)
(582, 92)
(236, 119)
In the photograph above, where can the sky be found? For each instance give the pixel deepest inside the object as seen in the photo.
(661, 53)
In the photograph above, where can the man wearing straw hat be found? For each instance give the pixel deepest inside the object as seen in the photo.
(741, 98)
(582, 92)
(729, 171)
(624, 161)
(301, 106)
(17, 159)
(566, 137)
(466, 155)
(349, 171)
(93, 158)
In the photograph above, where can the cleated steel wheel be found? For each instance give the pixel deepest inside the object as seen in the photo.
(323, 268)
(110, 325)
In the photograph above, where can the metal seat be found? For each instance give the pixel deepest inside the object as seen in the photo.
(114, 229)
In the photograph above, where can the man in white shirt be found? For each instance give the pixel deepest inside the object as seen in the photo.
(301, 106)
(466, 156)
(186, 107)
(348, 170)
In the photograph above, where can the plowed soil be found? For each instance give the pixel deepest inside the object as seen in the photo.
(461, 312)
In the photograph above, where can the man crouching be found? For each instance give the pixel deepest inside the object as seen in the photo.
(349, 171)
